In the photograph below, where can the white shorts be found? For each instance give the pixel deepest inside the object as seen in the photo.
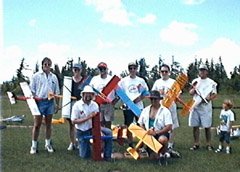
(201, 116)
(173, 110)
(106, 112)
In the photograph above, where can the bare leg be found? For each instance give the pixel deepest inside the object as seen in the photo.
(208, 135)
(196, 134)
(36, 127)
(48, 121)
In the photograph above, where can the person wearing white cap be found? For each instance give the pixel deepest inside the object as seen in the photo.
(82, 113)
(201, 115)
(99, 82)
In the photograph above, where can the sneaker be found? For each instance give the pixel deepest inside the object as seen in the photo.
(49, 148)
(175, 154)
(71, 147)
(195, 147)
(209, 148)
(163, 160)
(33, 150)
(228, 151)
(218, 150)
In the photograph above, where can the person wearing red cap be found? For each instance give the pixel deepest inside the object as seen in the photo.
(99, 82)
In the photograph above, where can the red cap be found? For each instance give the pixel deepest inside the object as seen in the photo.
(102, 64)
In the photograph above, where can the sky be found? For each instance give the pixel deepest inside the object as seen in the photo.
(117, 32)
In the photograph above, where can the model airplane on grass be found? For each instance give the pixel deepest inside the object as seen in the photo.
(15, 118)
(144, 138)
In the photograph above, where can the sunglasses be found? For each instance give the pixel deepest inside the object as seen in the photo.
(76, 69)
(47, 64)
(164, 71)
(102, 68)
(154, 99)
(132, 68)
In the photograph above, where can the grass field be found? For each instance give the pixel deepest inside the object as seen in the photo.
(16, 142)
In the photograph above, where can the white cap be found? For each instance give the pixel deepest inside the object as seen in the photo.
(87, 89)
(203, 66)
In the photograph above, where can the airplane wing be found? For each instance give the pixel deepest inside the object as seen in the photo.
(31, 102)
(102, 97)
(175, 90)
(142, 135)
(123, 96)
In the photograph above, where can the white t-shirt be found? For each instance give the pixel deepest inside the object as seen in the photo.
(133, 87)
(165, 85)
(226, 116)
(205, 86)
(82, 110)
(163, 118)
(99, 83)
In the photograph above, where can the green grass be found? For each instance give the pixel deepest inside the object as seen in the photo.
(16, 142)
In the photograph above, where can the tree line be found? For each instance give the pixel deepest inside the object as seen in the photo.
(226, 84)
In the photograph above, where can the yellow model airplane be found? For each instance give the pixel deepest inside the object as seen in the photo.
(174, 92)
(143, 137)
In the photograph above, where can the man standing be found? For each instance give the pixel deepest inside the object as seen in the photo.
(132, 85)
(42, 83)
(99, 82)
(203, 89)
(163, 85)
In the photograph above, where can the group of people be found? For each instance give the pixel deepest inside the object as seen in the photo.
(159, 121)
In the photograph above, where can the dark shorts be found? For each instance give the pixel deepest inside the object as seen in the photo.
(46, 107)
(224, 136)
(129, 117)
(159, 135)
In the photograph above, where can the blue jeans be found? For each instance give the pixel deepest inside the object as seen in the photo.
(108, 144)
(84, 144)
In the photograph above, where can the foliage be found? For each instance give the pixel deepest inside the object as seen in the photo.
(216, 70)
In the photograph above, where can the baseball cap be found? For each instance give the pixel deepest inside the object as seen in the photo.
(132, 64)
(203, 66)
(155, 94)
(102, 64)
(77, 65)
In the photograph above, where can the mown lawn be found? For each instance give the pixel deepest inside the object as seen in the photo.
(16, 142)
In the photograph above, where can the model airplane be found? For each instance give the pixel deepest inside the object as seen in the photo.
(15, 118)
(197, 98)
(143, 137)
(30, 100)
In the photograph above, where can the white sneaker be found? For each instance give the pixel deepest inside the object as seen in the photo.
(33, 150)
(71, 147)
(49, 148)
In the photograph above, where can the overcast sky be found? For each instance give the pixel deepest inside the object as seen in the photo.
(118, 32)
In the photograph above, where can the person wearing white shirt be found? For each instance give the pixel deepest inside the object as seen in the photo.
(82, 113)
(226, 119)
(99, 82)
(157, 120)
(132, 86)
(43, 83)
(163, 85)
(201, 115)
